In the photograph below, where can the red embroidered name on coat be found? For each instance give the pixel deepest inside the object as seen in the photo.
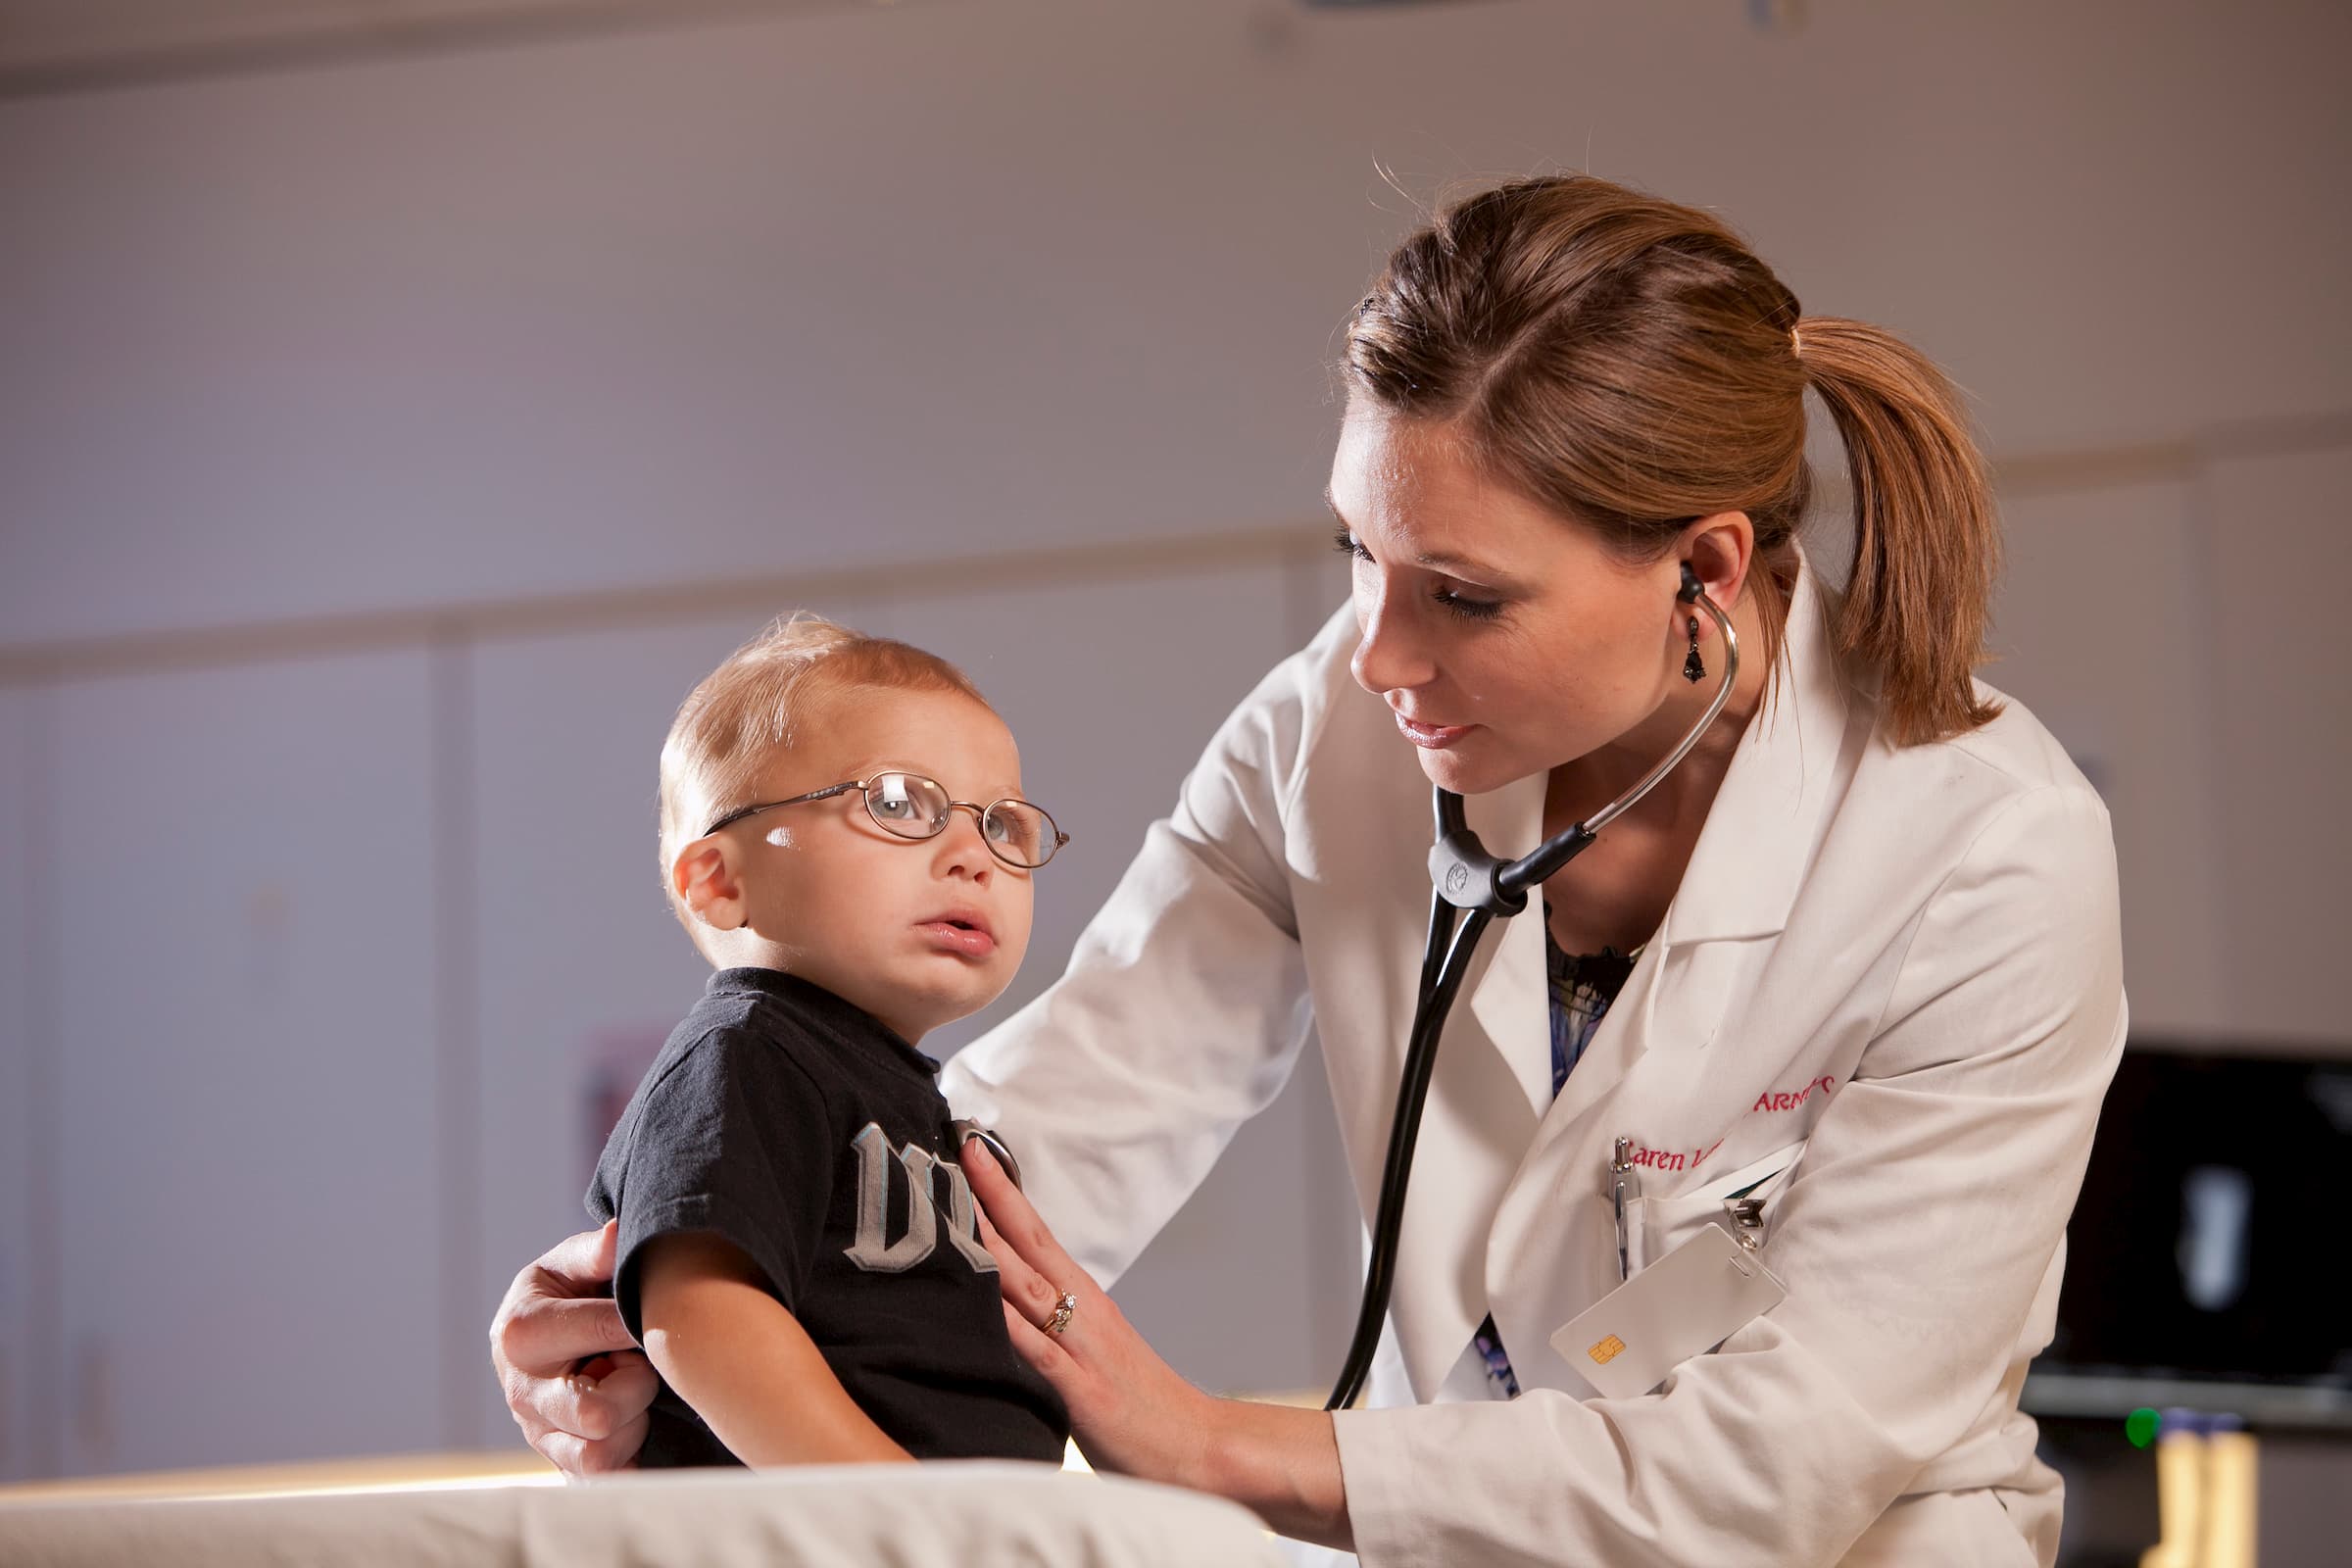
(1791, 1099)
(1645, 1158)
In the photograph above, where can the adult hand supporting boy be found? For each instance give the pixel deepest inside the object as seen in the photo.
(557, 1313)
(734, 1353)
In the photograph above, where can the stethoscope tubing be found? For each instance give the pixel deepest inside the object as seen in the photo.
(1531, 869)
(1469, 882)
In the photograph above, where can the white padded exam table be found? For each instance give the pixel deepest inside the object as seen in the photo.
(964, 1514)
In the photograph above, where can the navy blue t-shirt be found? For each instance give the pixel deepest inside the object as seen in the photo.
(797, 1127)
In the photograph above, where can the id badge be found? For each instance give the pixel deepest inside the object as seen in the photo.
(1684, 1304)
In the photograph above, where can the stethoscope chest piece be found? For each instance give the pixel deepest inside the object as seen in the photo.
(964, 1129)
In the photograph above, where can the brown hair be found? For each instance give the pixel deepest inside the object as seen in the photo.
(756, 701)
(1631, 364)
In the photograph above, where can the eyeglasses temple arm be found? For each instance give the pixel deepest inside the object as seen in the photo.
(742, 811)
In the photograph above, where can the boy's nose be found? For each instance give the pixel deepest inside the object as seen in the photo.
(964, 843)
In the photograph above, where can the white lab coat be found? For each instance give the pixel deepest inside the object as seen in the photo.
(1901, 964)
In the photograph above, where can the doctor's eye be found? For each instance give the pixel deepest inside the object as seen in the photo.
(1468, 608)
(1346, 544)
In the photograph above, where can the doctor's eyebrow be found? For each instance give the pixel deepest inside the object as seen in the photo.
(1469, 570)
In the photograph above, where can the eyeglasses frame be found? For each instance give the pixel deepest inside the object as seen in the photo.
(863, 785)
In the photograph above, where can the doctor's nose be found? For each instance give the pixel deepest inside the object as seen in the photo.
(1390, 656)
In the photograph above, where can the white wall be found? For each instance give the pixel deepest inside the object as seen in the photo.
(247, 1171)
(2176, 634)
(859, 286)
(2100, 630)
(2279, 554)
(21, 1161)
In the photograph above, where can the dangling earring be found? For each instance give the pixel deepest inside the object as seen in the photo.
(1694, 669)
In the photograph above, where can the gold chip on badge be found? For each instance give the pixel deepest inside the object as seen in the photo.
(1607, 1350)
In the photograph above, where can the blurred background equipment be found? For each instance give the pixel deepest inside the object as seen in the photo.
(2203, 1308)
(2193, 1259)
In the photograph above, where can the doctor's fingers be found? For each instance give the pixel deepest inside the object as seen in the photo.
(1032, 1269)
(611, 1404)
(1027, 1294)
(557, 1312)
(587, 1424)
(579, 1265)
(596, 1407)
(577, 1456)
(1017, 1281)
(1045, 1352)
(1007, 1209)
(545, 1337)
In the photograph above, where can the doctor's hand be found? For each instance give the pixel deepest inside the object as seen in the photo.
(556, 1315)
(1130, 1411)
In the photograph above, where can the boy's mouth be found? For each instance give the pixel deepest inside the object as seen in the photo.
(964, 931)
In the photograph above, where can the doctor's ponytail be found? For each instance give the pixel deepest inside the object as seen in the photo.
(1630, 364)
(1927, 539)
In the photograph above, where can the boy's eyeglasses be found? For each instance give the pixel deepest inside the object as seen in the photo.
(914, 807)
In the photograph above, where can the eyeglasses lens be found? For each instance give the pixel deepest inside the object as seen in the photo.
(1020, 832)
(916, 807)
(911, 808)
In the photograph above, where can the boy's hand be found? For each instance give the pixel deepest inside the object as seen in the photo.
(556, 1315)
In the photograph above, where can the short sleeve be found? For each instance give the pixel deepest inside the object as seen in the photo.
(733, 1139)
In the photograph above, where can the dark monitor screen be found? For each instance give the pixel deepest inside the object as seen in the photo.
(2211, 1240)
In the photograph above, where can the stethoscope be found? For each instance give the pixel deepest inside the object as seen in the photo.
(1468, 881)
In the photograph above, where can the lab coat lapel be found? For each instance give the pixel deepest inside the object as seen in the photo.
(1509, 999)
(1743, 879)
(1485, 1092)
(1744, 871)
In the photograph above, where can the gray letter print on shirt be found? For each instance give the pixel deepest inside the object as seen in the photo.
(873, 1250)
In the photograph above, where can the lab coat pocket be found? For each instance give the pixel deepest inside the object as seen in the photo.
(1656, 1226)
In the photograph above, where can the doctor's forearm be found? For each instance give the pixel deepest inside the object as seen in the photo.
(1281, 1463)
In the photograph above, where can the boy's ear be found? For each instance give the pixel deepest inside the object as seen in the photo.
(710, 884)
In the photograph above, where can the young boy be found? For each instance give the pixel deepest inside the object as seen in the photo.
(844, 838)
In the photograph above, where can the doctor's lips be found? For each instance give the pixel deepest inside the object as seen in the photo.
(1434, 737)
(960, 930)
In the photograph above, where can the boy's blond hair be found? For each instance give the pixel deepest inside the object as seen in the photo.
(757, 701)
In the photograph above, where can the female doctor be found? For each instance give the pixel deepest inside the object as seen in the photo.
(1858, 955)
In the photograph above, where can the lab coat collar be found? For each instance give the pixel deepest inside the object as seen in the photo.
(1511, 998)
(1744, 871)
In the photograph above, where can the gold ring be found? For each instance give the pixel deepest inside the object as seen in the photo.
(1063, 1310)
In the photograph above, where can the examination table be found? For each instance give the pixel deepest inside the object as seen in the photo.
(967, 1513)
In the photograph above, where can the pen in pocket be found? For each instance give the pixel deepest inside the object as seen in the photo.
(1621, 1182)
